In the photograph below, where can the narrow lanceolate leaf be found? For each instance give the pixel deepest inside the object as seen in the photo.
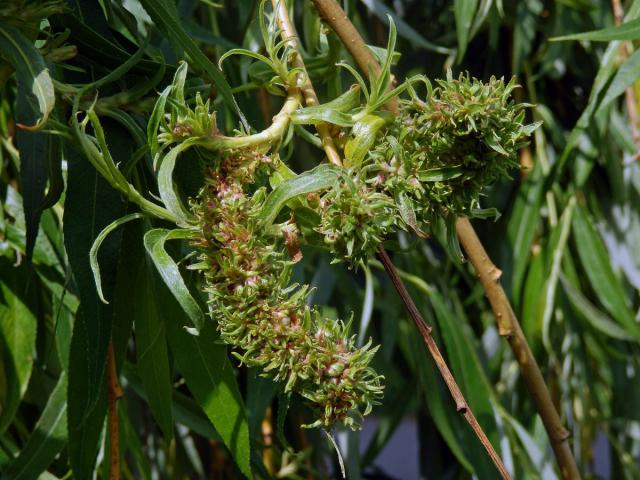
(202, 360)
(90, 205)
(165, 17)
(40, 159)
(440, 174)
(85, 421)
(155, 121)
(95, 248)
(154, 241)
(557, 245)
(465, 11)
(320, 178)
(151, 348)
(627, 31)
(626, 76)
(586, 310)
(604, 282)
(404, 29)
(523, 223)
(440, 407)
(17, 341)
(34, 82)
(47, 440)
(167, 188)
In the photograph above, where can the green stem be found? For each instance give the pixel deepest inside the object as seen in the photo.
(266, 138)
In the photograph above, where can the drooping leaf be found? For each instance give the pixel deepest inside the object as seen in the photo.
(465, 11)
(85, 421)
(202, 360)
(321, 177)
(597, 319)
(523, 223)
(627, 31)
(597, 266)
(40, 159)
(154, 241)
(95, 248)
(34, 81)
(167, 187)
(438, 402)
(90, 205)
(557, 246)
(47, 440)
(152, 354)
(18, 327)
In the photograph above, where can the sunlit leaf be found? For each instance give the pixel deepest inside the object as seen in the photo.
(34, 81)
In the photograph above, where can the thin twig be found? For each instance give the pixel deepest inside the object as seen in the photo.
(115, 393)
(304, 81)
(630, 94)
(425, 331)
(508, 325)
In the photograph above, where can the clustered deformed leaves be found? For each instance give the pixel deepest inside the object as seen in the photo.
(429, 162)
(443, 152)
(247, 274)
(354, 218)
(432, 161)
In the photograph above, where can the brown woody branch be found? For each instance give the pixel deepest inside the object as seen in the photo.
(489, 274)
(509, 327)
(425, 330)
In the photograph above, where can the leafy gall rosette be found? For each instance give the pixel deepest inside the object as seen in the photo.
(440, 154)
(247, 274)
(354, 218)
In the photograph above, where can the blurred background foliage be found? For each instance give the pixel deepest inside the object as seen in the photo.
(568, 242)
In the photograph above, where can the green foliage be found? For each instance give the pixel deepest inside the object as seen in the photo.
(246, 246)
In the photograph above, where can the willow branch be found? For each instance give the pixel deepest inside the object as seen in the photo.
(508, 325)
(115, 393)
(270, 135)
(425, 330)
(304, 81)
